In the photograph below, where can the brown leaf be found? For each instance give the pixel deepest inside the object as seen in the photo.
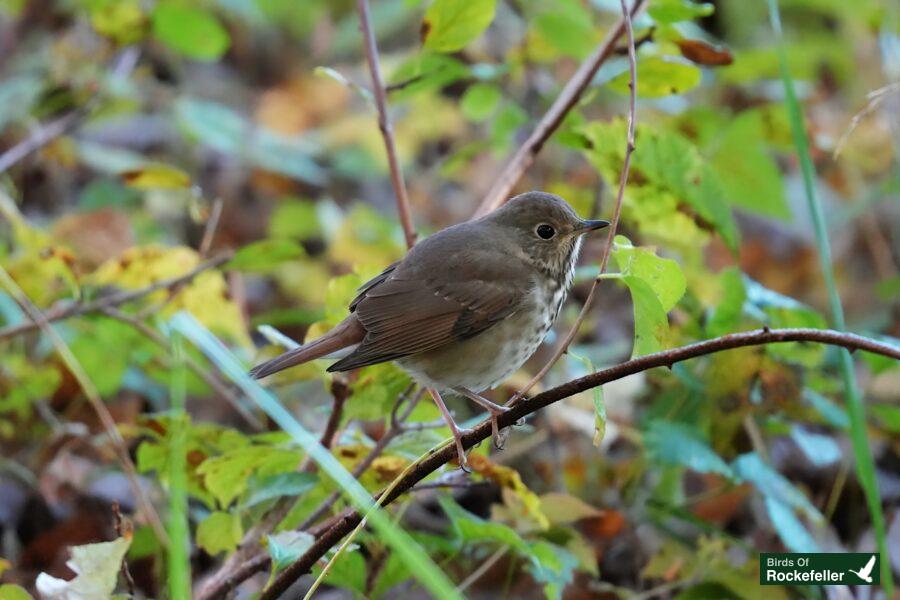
(705, 54)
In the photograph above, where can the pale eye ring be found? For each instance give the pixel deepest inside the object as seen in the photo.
(545, 231)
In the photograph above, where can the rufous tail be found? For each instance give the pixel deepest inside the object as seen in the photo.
(345, 334)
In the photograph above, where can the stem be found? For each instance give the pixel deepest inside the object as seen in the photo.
(384, 122)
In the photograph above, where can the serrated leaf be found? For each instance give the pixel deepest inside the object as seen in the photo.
(449, 25)
(672, 11)
(663, 275)
(96, 568)
(226, 476)
(678, 444)
(286, 547)
(190, 31)
(480, 101)
(659, 76)
(219, 532)
(265, 255)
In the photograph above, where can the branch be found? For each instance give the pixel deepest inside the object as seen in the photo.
(617, 211)
(115, 299)
(482, 431)
(571, 93)
(384, 122)
(242, 565)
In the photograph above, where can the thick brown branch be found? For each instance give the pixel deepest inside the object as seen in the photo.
(384, 122)
(333, 535)
(571, 93)
(115, 299)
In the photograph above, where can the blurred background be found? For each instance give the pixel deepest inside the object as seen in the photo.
(140, 139)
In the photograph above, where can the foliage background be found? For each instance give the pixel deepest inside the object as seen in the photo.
(194, 128)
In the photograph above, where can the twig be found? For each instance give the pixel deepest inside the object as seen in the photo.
(123, 529)
(571, 93)
(211, 378)
(115, 299)
(94, 399)
(617, 211)
(482, 568)
(209, 231)
(384, 122)
(874, 99)
(44, 134)
(243, 565)
(346, 523)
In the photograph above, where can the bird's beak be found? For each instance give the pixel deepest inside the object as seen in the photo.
(586, 226)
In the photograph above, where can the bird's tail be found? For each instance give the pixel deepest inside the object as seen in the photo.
(345, 334)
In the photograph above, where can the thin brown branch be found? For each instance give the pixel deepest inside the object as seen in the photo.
(550, 122)
(211, 378)
(617, 211)
(384, 122)
(209, 231)
(333, 535)
(243, 564)
(115, 299)
(46, 133)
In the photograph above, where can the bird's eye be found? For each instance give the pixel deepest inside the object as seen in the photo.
(544, 231)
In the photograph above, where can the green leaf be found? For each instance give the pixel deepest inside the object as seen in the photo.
(423, 568)
(568, 28)
(226, 476)
(727, 315)
(792, 532)
(677, 444)
(663, 275)
(659, 76)
(820, 450)
(219, 532)
(505, 124)
(265, 255)
(286, 547)
(750, 176)
(888, 415)
(277, 486)
(295, 219)
(449, 25)
(480, 101)
(672, 11)
(375, 390)
(599, 404)
(9, 591)
(833, 414)
(190, 31)
(651, 325)
(771, 484)
(120, 20)
(96, 568)
(348, 572)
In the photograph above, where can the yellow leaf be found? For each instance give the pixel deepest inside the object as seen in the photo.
(516, 495)
(157, 177)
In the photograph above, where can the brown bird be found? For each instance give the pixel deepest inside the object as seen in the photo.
(465, 308)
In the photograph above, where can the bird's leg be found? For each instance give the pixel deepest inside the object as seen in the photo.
(454, 428)
(495, 409)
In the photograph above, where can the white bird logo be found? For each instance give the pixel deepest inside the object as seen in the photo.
(866, 572)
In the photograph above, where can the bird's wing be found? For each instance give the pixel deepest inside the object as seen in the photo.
(407, 310)
(867, 570)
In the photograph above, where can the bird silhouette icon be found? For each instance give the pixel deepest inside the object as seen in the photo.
(866, 572)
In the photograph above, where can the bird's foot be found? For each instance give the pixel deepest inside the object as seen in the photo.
(494, 409)
(460, 450)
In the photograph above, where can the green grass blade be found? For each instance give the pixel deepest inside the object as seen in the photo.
(417, 560)
(865, 467)
(178, 565)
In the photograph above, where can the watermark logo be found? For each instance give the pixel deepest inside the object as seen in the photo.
(819, 568)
